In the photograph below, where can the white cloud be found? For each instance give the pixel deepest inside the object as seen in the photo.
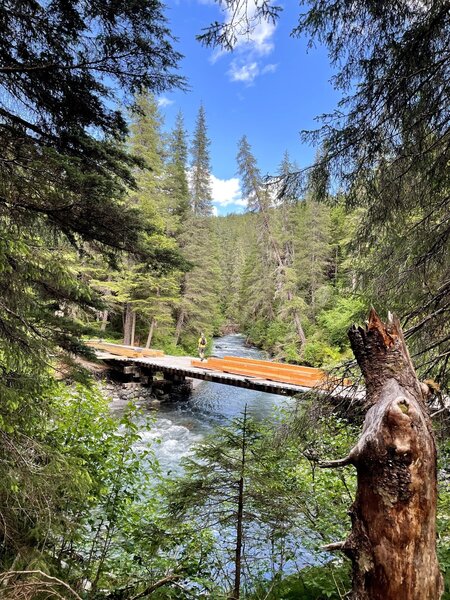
(270, 68)
(163, 102)
(227, 191)
(244, 72)
(252, 35)
(254, 41)
(260, 39)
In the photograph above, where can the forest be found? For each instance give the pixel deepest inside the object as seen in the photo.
(108, 231)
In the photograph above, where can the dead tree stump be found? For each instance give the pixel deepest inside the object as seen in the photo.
(392, 545)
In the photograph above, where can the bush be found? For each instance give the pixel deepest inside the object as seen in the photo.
(318, 354)
(322, 582)
(337, 321)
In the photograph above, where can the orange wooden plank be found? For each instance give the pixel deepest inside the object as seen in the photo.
(252, 371)
(128, 351)
(269, 364)
(271, 368)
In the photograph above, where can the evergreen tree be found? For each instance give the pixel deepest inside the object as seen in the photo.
(148, 295)
(236, 241)
(64, 170)
(199, 307)
(201, 201)
(177, 180)
(259, 199)
(224, 488)
(63, 174)
(312, 250)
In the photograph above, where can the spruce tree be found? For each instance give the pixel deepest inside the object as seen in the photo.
(147, 293)
(199, 307)
(201, 200)
(312, 250)
(63, 174)
(259, 199)
(177, 176)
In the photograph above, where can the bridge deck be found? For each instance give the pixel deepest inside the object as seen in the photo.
(245, 376)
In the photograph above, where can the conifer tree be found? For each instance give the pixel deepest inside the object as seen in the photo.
(200, 168)
(386, 144)
(63, 174)
(145, 295)
(198, 309)
(177, 178)
(259, 199)
(312, 249)
(236, 241)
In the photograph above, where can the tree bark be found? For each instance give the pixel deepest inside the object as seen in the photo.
(240, 516)
(179, 326)
(281, 262)
(392, 545)
(133, 327)
(150, 333)
(104, 320)
(128, 325)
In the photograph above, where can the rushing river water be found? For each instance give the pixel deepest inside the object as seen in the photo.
(178, 426)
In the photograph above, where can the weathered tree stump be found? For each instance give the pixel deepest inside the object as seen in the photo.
(392, 545)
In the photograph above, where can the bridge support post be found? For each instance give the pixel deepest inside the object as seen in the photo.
(179, 388)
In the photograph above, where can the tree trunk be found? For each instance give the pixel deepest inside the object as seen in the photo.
(179, 326)
(150, 333)
(128, 324)
(392, 545)
(104, 320)
(297, 322)
(133, 328)
(240, 515)
(282, 267)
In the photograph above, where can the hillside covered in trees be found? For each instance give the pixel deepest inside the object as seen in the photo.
(107, 230)
(285, 260)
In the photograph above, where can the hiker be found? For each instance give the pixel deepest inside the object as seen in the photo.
(202, 346)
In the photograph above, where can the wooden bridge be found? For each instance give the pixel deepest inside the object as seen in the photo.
(146, 365)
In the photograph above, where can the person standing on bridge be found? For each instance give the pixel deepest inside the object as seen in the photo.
(202, 346)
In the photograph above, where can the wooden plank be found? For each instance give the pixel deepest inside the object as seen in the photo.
(284, 368)
(128, 351)
(270, 364)
(269, 370)
(271, 367)
(306, 380)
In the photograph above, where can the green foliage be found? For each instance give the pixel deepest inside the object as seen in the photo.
(201, 200)
(386, 147)
(310, 281)
(337, 320)
(317, 354)
(327, 582)
(199, 306)
(63, 174)
(288, 500)
(87, 498)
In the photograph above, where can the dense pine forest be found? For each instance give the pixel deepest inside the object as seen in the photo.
(285, 260)
(108, 231)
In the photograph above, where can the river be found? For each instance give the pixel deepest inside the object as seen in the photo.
(178, 426)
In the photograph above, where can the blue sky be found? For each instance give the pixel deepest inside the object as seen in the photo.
(269, 88)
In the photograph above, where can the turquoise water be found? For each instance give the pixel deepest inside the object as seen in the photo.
(178, 426)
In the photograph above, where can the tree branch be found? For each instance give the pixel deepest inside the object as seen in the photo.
(333, 464)
(334, 547)
(154, 586)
